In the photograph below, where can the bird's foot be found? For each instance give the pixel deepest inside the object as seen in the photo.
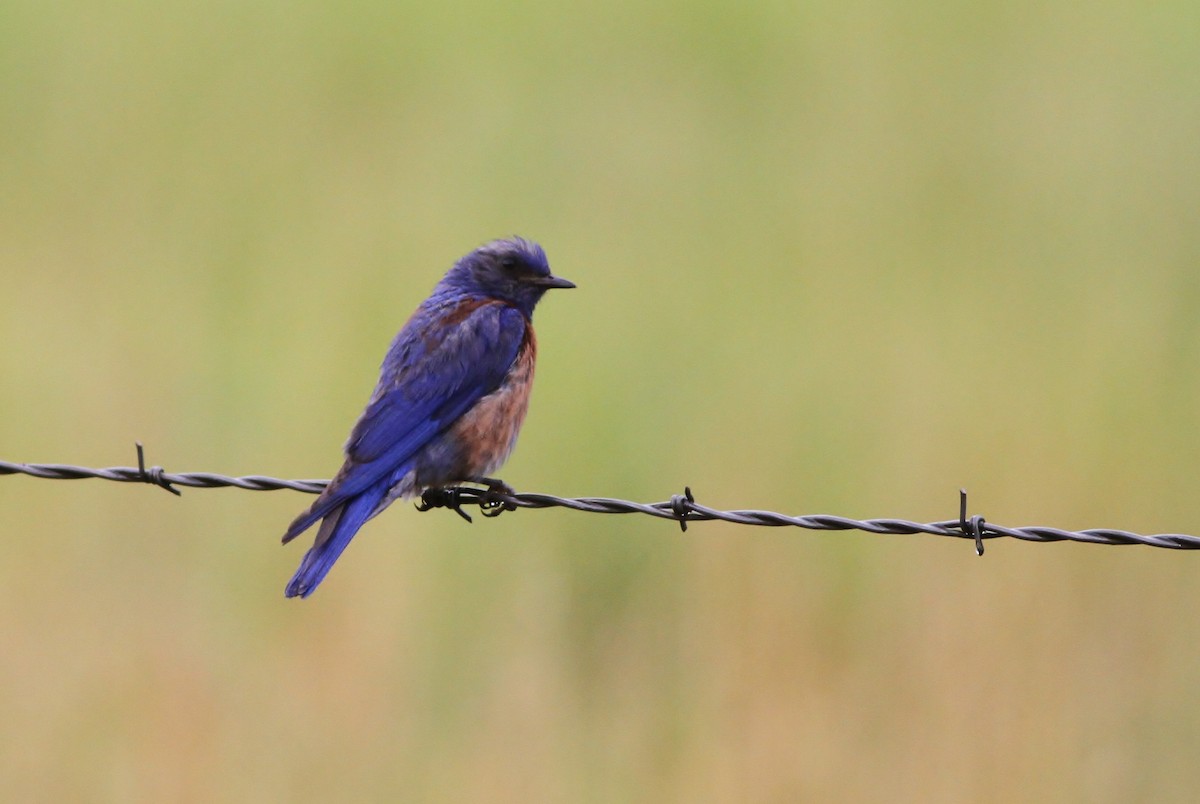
(496, 485)
(493, 502)
(450, 497)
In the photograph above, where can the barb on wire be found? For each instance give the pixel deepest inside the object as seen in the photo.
(681, 508)
(156, 476)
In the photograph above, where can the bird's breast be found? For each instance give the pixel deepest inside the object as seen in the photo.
(487, 432)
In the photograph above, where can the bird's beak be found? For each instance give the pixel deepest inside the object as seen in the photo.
(552, 282)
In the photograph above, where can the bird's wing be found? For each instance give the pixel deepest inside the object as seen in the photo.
(428, 387)
(433, 374)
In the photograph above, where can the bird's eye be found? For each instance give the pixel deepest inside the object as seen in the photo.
(510, 264)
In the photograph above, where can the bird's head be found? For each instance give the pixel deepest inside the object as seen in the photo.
(513, 270)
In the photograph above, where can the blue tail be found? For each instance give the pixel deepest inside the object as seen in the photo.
(337, 529)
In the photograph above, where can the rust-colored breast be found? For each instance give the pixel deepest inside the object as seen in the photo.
(488, 432)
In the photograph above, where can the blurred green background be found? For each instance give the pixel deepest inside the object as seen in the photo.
(832, 258)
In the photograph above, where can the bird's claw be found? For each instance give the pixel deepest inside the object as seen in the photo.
(494, 501)
(451, 498)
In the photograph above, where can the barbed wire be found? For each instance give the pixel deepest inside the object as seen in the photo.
(682, 508)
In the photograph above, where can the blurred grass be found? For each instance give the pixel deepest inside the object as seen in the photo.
(831, 257)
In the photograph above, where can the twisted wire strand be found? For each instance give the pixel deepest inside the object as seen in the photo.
(681, 508)
(157, 477)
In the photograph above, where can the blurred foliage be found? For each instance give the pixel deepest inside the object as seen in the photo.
(831, 258)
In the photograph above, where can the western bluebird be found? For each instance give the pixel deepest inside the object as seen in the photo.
(452, 393)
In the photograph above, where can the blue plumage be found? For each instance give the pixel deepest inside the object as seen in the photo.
(451, 397)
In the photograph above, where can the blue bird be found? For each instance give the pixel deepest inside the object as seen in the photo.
(452, 394)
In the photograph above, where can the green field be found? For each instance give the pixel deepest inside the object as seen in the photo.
(831, 258)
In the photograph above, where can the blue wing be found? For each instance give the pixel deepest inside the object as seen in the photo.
(438, 367)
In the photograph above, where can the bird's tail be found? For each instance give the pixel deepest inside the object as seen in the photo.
(337, 529)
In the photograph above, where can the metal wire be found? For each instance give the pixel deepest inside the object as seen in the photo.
(682, 508)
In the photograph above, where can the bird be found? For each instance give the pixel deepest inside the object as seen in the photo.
(452, 394)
